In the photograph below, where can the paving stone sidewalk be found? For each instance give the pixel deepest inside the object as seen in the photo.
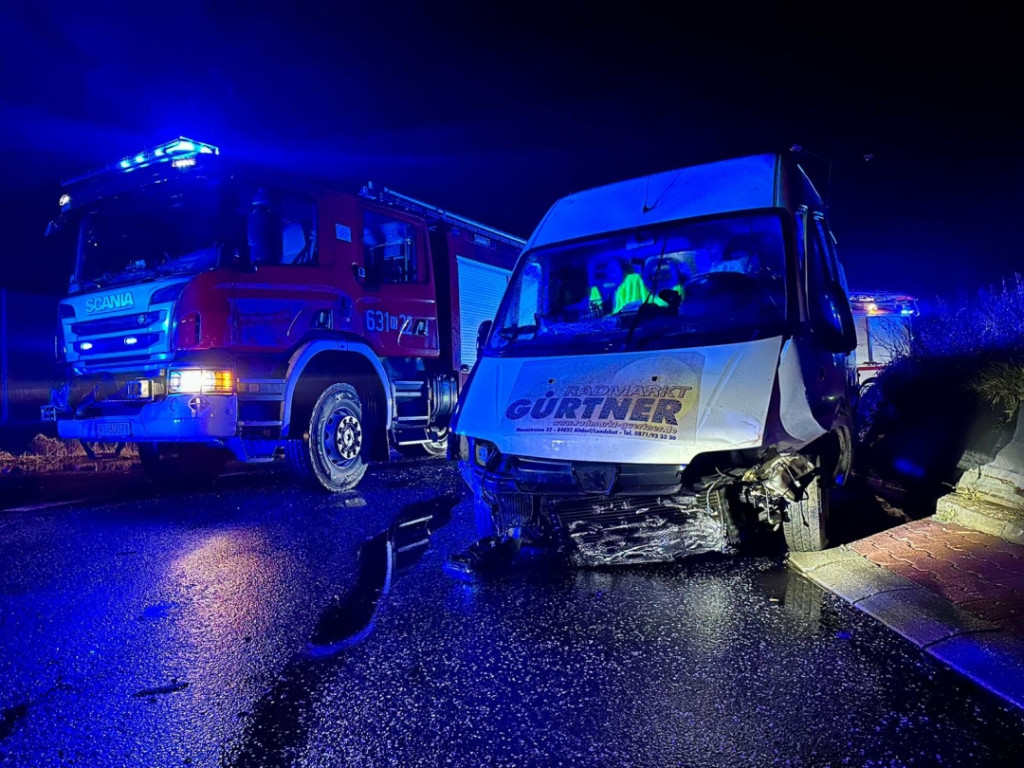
(953, 590)
(979, 573)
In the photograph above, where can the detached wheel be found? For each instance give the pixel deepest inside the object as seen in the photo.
(804, 522)
(332, 451)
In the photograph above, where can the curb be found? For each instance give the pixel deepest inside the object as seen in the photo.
(988, 655)
(989, 517)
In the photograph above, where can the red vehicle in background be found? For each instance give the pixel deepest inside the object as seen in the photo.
(218, 311)
(884, 321)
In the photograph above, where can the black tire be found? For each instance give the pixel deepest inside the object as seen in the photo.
(804, 524)
(183, 462)
(333, 450)
(869, 401)
(435, 448)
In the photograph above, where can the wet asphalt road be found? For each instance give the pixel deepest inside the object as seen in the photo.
(239, 626)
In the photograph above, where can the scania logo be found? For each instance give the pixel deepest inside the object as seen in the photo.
(111, 301)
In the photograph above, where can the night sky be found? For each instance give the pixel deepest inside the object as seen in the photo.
(496, 114)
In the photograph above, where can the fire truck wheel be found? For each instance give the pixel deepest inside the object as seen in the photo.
(333, 452)
(804, 523)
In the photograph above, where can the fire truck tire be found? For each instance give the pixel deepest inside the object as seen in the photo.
(177, 462)
(333, 450)
(804, 523)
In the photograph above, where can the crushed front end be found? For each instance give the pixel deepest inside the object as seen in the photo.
(605, 514)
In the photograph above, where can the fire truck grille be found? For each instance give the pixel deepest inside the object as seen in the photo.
(131, 322)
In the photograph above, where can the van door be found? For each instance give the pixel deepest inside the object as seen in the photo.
(830, 368)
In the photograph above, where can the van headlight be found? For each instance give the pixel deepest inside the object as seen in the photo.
(483, 452)
(200, 381)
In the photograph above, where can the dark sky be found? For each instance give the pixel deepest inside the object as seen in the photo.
(496, 113)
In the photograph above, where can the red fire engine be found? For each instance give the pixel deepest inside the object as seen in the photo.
(884, 324)
(214, 311)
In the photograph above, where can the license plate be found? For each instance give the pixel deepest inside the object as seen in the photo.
(113, 429)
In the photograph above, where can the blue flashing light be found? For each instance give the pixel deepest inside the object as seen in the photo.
(183, 162)
(180, 148)
(176, 149)
(906, 312)
(64, 200)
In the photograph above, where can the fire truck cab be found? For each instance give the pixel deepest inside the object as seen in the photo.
(217, 310)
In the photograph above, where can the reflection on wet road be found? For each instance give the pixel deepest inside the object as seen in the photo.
(380, 559)
(258, 624)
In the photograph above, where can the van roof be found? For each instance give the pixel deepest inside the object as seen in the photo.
(744, 183)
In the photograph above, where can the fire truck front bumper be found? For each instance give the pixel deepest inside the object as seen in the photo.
(185, 418)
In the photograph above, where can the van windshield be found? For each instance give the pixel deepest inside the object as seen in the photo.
(681, 285)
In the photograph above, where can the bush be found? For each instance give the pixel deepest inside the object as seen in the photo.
(936, 399)
(991, 322)
(1001, 383)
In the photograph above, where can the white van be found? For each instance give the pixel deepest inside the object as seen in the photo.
(670, 369)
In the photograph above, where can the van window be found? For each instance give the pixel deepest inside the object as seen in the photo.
(683, 284)
(824, 271)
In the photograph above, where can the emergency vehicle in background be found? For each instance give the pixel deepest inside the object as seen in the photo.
(884, 322)
(217, 310)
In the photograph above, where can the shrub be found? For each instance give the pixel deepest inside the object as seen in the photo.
(993, 321)
(934, 400)
(1001, 383)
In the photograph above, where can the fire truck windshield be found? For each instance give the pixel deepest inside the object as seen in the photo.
(142, 235)
(685, 284)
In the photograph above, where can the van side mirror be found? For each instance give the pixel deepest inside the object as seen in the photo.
(833, 320)
(481, 335)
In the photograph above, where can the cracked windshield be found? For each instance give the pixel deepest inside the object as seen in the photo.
(693, 284)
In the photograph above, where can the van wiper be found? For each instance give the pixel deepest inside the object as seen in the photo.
(512, 332)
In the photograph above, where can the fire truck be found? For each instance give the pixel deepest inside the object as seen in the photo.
(884, 321)
(217, 310)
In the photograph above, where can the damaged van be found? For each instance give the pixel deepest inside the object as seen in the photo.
(670, 369)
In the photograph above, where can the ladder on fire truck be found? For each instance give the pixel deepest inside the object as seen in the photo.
(482, 234)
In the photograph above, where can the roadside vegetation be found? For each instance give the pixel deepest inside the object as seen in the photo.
(51, 454)
(948, 400)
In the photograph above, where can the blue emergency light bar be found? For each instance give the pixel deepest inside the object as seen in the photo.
(180, 152)
(178, 149)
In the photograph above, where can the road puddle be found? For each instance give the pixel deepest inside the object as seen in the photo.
(352, 618)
